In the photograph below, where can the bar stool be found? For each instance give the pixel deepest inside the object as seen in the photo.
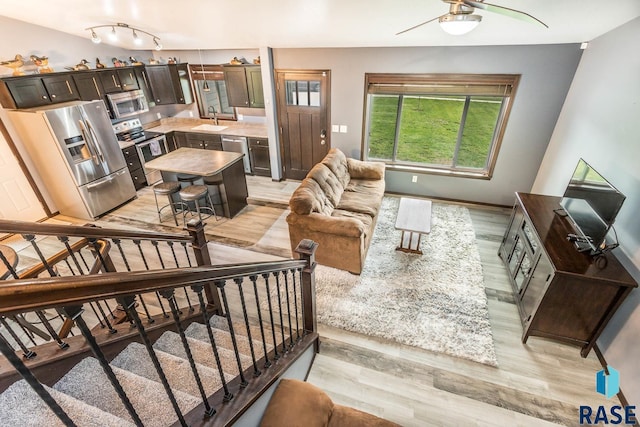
(194, 193)
(168, 189)
(215, 181)
(188, 178)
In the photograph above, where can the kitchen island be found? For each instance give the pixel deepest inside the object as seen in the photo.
(204, 163)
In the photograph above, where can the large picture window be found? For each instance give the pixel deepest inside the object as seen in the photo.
(211, 92)
(448, 124)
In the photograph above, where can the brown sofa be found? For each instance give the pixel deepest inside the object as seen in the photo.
(299, 404)
(337, 206)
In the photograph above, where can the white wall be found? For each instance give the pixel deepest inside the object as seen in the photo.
(599, 123)
(546, 72)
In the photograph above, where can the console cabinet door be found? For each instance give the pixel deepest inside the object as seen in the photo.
(541, 275)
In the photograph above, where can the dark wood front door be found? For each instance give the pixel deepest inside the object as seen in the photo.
(303, 113)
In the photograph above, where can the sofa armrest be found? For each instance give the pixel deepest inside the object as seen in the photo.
(341, 226)
(359, 169)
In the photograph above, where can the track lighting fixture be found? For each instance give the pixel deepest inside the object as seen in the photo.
(113, 36)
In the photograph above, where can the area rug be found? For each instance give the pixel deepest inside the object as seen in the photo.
(435, 301)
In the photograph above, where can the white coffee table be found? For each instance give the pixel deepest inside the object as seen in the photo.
(414, 217)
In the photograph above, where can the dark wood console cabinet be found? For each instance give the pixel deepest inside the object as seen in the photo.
(561, 293)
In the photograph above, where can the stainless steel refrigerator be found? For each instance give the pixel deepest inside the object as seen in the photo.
(76, 156)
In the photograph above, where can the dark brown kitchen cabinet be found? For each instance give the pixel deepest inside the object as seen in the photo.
(244, 85)
(259, 156)
(36, 91)
(110, 81)
(23, 92)
(170, 84)
(561, 293)
(61, 88)
(135, 167)
(143, 82)
(127, 77)
(89, 85)
(206, 141)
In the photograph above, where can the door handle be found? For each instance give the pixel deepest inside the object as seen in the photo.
(323, 133)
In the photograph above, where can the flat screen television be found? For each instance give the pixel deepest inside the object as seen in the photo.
(592, 204)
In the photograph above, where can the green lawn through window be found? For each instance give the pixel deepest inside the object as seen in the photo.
(429, 129)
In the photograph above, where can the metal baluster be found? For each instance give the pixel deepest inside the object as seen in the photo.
(276, 356)
(66, 261)
(34, 383)
(118, 244)
(65, 241)
(104, 267)
(286, 289)
(198, 290)
(267, 362)
(102, 325)
(295, 303)
(284, 347)
(220, 285)
(45, 322)
(32, 239)
(146, 266)
(7, 264)
(186, 252)
(28, 354)
(175, 259)
(128, 303)
(75, 313)
(30, 334)
(170, 296)
(84, 261)
(106, 320)
(238, 281)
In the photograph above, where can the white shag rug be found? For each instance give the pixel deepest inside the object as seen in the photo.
(435, 301)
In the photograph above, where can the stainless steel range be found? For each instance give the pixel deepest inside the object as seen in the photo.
(149, 145)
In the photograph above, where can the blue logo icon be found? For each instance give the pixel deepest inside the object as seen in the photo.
(608, 384)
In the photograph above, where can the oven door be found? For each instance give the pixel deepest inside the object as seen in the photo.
(149, 150)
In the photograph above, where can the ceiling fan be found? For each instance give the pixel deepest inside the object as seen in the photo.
(461, 19)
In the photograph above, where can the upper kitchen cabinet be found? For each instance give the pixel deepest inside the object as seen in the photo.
(244, 85)
(36, 91)
(143, 82)
(118, 79)
(170, 84)
(89, 85)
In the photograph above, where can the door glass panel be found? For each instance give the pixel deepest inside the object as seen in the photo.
(305, 93)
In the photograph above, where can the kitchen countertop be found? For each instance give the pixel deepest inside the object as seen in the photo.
(195, 161)
(173, 124)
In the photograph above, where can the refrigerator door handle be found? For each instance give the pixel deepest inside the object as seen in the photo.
(94, 139)
(105, 181)
(89, 142)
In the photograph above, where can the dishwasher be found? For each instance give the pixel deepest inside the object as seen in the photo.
(238, 144)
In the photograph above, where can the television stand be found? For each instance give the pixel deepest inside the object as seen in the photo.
(561, 293)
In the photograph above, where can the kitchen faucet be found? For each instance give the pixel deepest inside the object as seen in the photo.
(212, 111)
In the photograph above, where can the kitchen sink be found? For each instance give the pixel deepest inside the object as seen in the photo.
(212, 128)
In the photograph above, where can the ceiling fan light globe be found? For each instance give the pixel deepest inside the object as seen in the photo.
(458, 25)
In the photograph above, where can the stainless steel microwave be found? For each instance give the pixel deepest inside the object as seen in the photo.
(127, 104)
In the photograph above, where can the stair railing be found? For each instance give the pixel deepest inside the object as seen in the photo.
(67, 250)
(278, 296)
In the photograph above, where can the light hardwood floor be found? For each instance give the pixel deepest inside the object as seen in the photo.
(538, 383)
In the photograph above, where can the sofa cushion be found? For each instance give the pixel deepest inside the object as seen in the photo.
(328, 182)
(364, 218)
(309, 197)
(336, 161)
(359, 202)
(297, 403)
(367, 186)
(365, 170)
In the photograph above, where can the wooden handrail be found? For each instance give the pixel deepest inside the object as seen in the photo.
(19, 296)
(88, 231)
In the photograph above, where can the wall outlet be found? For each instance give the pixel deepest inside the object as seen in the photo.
(335, 128)
(240, 117)
(414, 178)
(343, 128)
(159, 116)
(190, 113)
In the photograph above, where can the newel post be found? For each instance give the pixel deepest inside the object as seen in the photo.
(195, 227)
(306, 250)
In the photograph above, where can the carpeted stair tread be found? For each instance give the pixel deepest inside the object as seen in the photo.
(135, 358)
(171, 343)
(223, 338)
(220, 322)
(21, 406)
(88, 382)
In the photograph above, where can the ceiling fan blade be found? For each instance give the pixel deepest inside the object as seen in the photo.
(504, 11)
(419, 25)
